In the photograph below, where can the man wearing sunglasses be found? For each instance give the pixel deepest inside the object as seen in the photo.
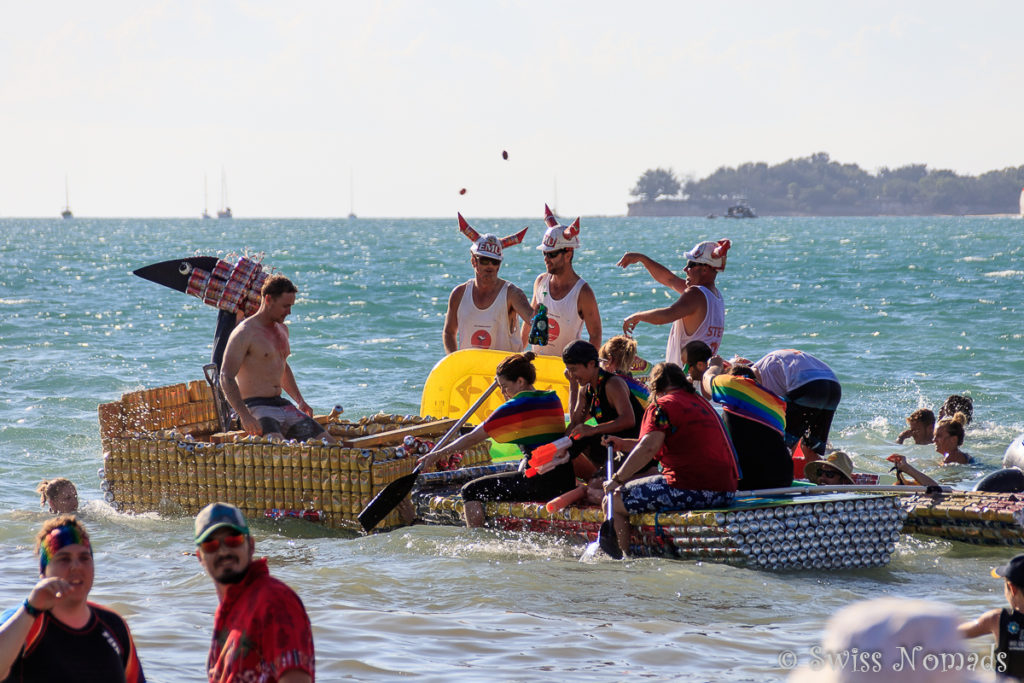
(482, 312)
(261, 631)
(699, 313)
(570, 301)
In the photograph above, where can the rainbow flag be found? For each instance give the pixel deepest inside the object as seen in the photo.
(529, 419)
(638, 389)
(744, 397)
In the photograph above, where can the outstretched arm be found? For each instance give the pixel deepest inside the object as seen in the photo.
(660, 273)
(986, 623)
(685, 305)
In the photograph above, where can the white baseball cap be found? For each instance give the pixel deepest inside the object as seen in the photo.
(559, 236)
(710, 253)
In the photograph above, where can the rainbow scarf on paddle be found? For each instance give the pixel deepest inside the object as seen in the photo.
(744, 397)
(529, 419)
(58, 538)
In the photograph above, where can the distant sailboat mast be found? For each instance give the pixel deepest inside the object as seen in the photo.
(225, 210)
(351, 196)
(66, 213)
(206, 199)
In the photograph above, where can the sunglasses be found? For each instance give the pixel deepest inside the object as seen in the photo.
(484, 261)
(230, 541)
(554, 254)
(692, 264)
(829, 472)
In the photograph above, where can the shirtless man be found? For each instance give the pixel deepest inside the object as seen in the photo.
(482, 311)
(699, 313)
(569, 299)
(255, 370)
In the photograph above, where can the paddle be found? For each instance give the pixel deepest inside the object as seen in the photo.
(607, 539)
(395, 492)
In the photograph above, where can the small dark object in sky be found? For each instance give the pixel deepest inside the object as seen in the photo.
(462, 191)
(504, 154)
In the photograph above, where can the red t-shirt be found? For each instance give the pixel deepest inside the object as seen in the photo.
(696, 454)
(260, 631)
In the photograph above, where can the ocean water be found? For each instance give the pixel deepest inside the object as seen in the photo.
(905, 310)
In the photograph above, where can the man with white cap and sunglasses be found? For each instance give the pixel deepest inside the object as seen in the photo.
(261, 631)
(699, 313)
(482, 312)
(570, 302)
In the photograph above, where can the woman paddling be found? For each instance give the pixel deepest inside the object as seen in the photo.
(529, 418)
(682, 431)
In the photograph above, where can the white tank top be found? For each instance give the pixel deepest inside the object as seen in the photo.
(488, 328)
(710, 330)
(564, 322)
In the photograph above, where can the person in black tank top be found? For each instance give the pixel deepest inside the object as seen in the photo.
(1007, 624)
(602, 395)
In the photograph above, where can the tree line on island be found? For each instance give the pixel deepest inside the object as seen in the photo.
(818, 186)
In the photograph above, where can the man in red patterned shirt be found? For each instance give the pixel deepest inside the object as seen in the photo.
(261, 632)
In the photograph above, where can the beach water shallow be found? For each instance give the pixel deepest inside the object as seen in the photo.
(905, 310)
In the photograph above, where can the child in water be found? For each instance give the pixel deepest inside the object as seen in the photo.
(921, 425)
(1006, 624)
(60, 494)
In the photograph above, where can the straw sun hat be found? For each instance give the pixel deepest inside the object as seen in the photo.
(836, 460)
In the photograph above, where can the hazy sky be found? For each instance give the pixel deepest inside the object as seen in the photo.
(136, 102)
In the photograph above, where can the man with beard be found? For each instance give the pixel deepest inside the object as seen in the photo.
(261, 631)
(570, 302)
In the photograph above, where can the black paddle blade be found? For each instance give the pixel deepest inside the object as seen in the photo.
(387, 500)
(608, 540)
(175, 273)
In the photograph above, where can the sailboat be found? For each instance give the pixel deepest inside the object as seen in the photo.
(351, 200)
(66, 213)
(225, 210)
(206, 200)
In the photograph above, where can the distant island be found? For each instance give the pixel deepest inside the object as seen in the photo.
(818, 186)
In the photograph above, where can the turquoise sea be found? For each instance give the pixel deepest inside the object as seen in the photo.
(905, 310)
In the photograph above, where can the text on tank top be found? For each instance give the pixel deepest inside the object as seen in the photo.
(564, 322)
(709, 331)
(487, 328)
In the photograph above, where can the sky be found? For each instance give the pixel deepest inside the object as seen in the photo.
(140, 106)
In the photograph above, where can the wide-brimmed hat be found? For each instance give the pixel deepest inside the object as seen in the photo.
(558, 236)
(710, 253)
(902, 638)
(837, 460)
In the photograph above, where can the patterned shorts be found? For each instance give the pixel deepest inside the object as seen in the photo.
(653, 494)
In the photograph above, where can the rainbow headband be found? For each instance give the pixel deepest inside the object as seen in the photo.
(58, 538)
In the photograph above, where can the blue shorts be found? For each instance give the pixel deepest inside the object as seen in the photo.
(653, 494)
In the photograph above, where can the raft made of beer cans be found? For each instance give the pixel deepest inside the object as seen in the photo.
(834, 531)
(163, 453)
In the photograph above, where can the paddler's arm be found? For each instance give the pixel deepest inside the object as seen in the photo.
(451, 320)
(645, 449)
(234, 353)
(618, 394)
(478, 435)
(986, 623)
(660, 273)
(591, 316)
(901, 465)
(715, 368)
(289, 385)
